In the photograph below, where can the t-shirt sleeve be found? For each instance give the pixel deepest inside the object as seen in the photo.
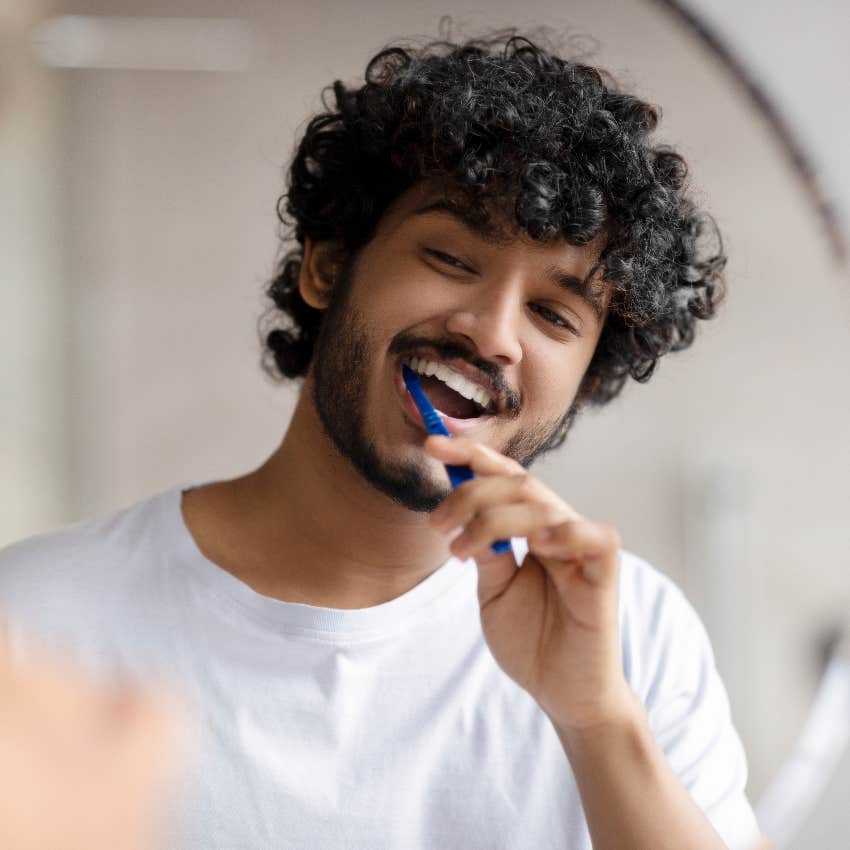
(689, 712)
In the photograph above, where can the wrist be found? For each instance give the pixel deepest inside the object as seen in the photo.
(622, 719)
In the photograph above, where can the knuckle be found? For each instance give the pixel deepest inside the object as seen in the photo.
(483, 451)
(526, 488)
(555, 516)
(517, 468)
(604, 535)
(464, 493)
(472, 529)
(484, 523)
(613, 537)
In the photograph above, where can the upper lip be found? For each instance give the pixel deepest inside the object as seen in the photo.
(468, 371)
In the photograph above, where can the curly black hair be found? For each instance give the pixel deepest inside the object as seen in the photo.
(549, 142)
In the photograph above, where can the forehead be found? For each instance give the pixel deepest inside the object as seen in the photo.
(570, 267)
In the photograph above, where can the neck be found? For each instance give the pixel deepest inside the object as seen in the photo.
(318, 533)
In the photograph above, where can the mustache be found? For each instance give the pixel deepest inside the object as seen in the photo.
(407, 344)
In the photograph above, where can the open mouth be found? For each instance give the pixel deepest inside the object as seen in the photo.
(461, 403)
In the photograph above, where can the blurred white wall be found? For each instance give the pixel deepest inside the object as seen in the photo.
(145, 226)
(33, 335)
(798, 53)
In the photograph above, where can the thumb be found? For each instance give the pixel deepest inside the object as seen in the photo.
(496, 570)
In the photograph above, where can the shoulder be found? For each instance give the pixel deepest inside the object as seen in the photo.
(61, 562)
(663, 638)
(651, 601)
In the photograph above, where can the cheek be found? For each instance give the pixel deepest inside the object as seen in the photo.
(552, 378)
(397, 294)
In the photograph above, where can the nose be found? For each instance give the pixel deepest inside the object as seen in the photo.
(491, 323)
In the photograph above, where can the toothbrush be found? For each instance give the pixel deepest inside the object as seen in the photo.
(434, 425)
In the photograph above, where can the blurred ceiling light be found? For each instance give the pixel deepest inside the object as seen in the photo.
(145, 43)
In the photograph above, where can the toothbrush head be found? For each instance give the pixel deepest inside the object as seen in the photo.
(433, 423)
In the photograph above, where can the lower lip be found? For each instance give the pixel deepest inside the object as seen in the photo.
(453, 426)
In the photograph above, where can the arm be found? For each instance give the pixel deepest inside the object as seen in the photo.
(630, 795)
(553, 627)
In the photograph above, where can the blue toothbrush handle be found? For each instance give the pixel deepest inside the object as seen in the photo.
(459, 474)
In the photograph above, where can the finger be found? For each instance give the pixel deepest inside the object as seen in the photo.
(141, 756)
(52, 693)
(132, 765)
(595, 545)
(472, 496)
(144, 732)
(502, 521)
(481, 459)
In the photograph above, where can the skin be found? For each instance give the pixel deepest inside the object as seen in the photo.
(82, 766)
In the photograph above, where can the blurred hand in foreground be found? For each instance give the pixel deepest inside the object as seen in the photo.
(82, 766)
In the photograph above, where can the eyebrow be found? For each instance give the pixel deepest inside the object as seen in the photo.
(564, 280)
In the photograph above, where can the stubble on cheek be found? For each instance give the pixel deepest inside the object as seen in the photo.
(529, 444)
(340, 364)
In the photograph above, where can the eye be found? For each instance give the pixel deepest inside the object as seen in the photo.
(553, 318)
(448, 259)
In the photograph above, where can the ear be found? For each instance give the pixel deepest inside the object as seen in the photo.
(318, 273)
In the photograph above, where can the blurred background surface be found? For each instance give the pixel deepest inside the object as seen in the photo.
(142, 147)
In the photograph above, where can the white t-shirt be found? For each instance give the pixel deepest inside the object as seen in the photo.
(383, 728)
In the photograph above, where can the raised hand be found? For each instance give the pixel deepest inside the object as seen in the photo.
(552, 625)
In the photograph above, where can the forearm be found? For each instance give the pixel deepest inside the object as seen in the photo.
(632, 799)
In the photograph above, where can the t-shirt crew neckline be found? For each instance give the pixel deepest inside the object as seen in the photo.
(432, 597)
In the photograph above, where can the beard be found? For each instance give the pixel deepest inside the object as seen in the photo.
(339, 366)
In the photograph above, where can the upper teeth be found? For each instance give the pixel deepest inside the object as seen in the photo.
(451, 378)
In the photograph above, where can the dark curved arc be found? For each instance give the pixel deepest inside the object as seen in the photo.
(792, 149)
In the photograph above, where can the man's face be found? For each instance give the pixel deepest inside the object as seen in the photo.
(429, 287)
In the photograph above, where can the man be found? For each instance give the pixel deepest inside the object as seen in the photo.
(364, 671)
